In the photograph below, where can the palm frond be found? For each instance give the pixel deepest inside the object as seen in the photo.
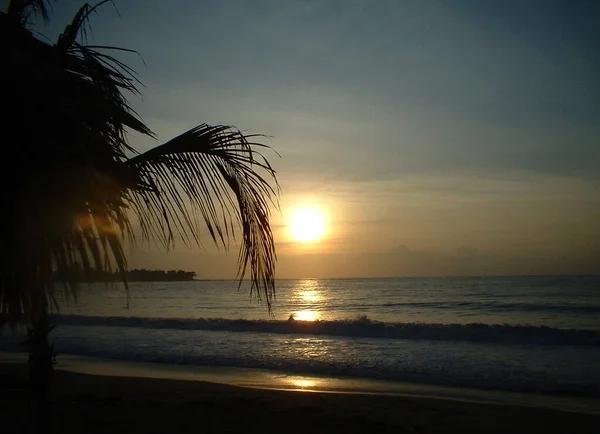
(79, 26)
(211, 174)
(22, 10)
(67, 126)
(58, 239)
(105, 75)
(68, 205)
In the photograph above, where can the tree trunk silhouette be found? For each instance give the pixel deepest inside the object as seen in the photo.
(41, 373)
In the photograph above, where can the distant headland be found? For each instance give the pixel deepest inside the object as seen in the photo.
(143, 275)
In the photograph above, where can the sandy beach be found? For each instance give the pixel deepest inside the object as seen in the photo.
(109, 404)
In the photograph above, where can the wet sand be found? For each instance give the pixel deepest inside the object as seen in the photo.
(115, 404)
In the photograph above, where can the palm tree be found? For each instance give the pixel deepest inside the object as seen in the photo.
(73, 189)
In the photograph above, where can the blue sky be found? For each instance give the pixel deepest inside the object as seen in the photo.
(455, 137)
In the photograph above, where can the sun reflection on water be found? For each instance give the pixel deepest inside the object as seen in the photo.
(302, 383)
(305, 315)
(308, 299)
(310, 295)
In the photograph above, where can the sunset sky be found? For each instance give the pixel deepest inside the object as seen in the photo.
(438, 138)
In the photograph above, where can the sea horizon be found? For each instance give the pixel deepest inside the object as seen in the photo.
(474, 276)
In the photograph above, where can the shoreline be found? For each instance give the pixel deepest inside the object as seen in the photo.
(101, 404)
(263, 379)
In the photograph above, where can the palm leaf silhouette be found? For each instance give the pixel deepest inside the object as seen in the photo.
(81, 183)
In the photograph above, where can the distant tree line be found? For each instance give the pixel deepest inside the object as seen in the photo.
(143, 275)
(140, 275)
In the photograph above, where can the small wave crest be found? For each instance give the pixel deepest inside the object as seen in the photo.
(495, 306)
(360, 327)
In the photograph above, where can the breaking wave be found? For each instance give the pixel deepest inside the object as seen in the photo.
(360, 327)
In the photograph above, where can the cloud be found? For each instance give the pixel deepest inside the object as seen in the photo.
(434, 120)
(361, 92)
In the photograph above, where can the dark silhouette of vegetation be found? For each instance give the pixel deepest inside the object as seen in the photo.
(143, 275)
(71, 182)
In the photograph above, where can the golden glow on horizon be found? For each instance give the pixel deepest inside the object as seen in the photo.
(307, 224)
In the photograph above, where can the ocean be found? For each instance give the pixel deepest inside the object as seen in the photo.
(525, 334)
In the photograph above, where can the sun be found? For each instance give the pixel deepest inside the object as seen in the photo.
(307, 225)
